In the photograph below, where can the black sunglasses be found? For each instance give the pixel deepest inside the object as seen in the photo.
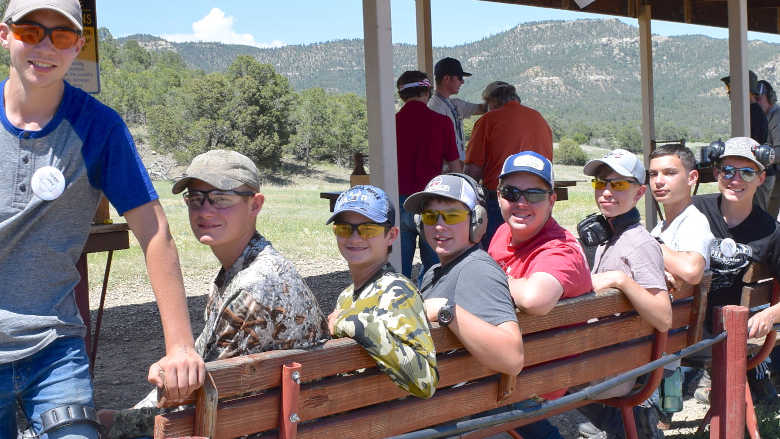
(532, 195)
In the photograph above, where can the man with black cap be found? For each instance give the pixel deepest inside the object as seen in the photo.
(255, 281)
(448, 75)
(62, 150)
(767, 99)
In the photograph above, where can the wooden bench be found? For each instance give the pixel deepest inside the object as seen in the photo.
(322, 396)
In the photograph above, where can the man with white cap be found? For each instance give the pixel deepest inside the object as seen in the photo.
(61, 149)
(628, 259)
(743, 233)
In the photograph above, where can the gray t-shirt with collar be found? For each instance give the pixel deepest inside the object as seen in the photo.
(635, 253)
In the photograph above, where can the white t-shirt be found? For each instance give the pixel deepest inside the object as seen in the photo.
(689, 232)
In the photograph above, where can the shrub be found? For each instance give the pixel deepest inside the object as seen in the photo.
(569, 152)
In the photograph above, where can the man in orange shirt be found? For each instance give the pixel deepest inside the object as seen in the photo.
(507, 128)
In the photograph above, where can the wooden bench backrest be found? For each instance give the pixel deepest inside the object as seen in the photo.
(560, 351)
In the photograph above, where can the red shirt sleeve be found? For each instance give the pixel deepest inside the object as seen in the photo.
(566, 264)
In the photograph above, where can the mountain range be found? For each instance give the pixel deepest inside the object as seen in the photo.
(582, 71)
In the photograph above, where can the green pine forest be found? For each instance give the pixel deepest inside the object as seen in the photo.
(308, 100)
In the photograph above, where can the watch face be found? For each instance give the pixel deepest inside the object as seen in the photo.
(446, 315)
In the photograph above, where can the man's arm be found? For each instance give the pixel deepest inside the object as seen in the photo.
(686, 265)
(761, 323)
(467, 109)
(537, 294)
(181, 370)
(652, 304)
(473, 171)
(498, 347)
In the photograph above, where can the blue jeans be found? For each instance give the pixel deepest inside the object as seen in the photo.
(409, 239)
(609, 419)
(55, 376)
(494, 217)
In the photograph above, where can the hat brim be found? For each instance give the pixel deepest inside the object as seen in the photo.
(18, 15)
(416, 202)
(183, 182)
(591, 167)
(376, 217)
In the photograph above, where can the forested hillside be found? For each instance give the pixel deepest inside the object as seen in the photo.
(583, 75)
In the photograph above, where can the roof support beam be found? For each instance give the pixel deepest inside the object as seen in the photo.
(380, 110)
(740, 114)
(688, 11)
(424, 38)
(648, 106)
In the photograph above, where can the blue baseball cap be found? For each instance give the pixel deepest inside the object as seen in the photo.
(530, 162)
(367, 200)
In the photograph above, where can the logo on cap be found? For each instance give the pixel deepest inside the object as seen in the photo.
(529, 161)
(437, 185)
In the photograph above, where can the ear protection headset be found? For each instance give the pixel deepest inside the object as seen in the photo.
(478, 215)
(765, 88)
(765, 154)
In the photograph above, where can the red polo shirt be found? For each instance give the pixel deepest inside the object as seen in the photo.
(425, 140)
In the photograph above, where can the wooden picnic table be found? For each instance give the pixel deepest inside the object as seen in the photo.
(102, 238)
(560, 187)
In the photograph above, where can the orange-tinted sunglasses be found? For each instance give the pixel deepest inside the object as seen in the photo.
(30, 32)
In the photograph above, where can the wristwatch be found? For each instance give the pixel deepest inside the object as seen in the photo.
(446, 315)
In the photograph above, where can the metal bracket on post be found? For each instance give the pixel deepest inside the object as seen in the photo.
(288, 412)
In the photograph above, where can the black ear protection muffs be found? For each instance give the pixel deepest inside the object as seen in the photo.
(710, 155)
(478, 215)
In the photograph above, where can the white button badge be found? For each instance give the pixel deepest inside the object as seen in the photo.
(48, 183)
(728, 247)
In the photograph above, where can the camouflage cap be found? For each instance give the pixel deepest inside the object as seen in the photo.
(226, 170)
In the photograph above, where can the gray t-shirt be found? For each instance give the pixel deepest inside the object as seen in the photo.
(88, 148)
(688, 232)
(635, 253)
(476, 283)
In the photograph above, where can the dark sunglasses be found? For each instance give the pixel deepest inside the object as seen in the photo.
(365, 230)
(30, 32)
(218, 198)
(533, 195)
(746, 174)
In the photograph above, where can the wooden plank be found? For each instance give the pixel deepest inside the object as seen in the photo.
(756, 272)
(753, 296)
(106, 241)
(699, 310)
(261, 371)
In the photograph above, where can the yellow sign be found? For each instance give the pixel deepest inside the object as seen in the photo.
(85, 72)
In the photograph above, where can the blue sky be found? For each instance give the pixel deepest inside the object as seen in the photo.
(269, 23)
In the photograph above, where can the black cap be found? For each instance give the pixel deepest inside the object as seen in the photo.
(752, 81)
(449, 66)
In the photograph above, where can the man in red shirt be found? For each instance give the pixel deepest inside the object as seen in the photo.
(425, 143)
(543, 261)
(508, 128)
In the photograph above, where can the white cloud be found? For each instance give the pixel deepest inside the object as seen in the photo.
(216, 26)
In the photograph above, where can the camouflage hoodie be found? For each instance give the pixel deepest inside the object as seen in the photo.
(386, 317)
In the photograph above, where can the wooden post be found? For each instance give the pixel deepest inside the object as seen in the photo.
(729, 361)
(380, 89)
(740, 106)
(648, 106)
(424, 38)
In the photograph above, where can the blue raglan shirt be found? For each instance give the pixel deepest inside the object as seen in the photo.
(41, 241)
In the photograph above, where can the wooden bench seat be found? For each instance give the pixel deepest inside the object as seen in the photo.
(245, 395)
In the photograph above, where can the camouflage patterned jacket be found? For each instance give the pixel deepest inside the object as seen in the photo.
(386, 317)
(259, 304)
